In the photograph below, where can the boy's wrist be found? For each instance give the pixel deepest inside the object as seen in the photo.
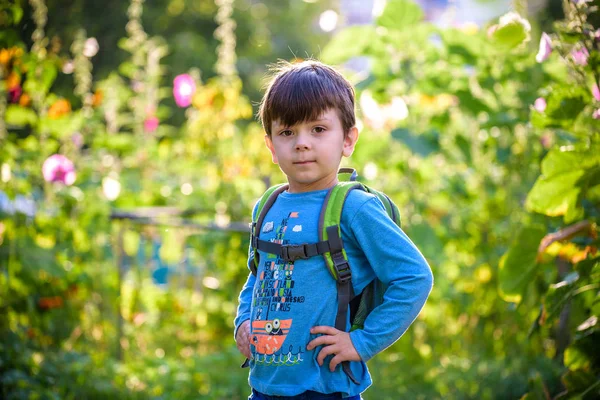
(237, 327)
(363, 353)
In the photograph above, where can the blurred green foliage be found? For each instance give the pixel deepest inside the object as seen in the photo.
(501, 197)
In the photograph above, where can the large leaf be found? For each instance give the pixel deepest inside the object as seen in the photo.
(518, 265)
(348, 43)
(562, 159)
(400, 15)
(557, 191)
(555, 195)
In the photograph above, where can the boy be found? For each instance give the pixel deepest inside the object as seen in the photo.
(284, 324)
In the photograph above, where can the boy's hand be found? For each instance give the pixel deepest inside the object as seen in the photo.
(242, 339)
(335, 342)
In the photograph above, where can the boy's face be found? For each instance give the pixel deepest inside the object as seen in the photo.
(309, 153)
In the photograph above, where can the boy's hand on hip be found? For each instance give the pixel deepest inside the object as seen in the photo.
(335, 342)
(242, 339)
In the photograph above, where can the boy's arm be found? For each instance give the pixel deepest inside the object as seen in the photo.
(245, 301)
(397, 263)
(245, 297)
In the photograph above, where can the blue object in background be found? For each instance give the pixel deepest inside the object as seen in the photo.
(160, 272)
(160, 276)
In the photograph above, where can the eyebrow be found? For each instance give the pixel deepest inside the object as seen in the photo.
(280, 125)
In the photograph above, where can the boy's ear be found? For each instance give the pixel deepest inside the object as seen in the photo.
(269, 144)
(350, 141)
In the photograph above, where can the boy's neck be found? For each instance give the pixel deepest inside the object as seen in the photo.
(313, 186)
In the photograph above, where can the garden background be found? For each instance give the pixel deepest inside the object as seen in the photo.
(130, 160)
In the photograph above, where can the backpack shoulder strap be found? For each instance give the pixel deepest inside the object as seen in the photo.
(266, 201)
(336, 258)
(329, 224)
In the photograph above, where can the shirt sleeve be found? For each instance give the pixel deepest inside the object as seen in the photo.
(396, 262)
(245, 297)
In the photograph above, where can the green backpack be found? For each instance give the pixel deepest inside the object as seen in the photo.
(330, 246)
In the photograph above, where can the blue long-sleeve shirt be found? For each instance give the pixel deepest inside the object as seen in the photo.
(286, 299)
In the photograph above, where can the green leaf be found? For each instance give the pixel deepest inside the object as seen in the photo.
(20, 116)
(467, 49)
(400, 15)
(557, 191)
(575, 358)
(562, 159)
(537, 389)
(518, 265)
(63, 126)
(577, 381)
(350, 42)
(585, 267)
(40, 77)
(17, 14)
(510, 35)
(557, 296)
(564, 104)
(555, 195)
(127, 69)
(120, 142)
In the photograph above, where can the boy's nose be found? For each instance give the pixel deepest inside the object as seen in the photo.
(302, 143)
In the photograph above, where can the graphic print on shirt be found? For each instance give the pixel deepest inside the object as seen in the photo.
(274, 295)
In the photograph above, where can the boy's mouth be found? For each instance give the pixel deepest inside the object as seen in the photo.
(304, 162)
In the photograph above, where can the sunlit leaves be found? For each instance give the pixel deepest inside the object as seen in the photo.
(566, 172)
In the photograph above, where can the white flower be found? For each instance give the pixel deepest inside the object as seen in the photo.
(111, 187)
(90, 47)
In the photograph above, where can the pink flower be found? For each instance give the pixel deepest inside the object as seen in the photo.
(596, 92)
(183, 89)
(150, 124)
(545, 48)
(596, 114)
(540, 104)
(58, 168)
(580, 56)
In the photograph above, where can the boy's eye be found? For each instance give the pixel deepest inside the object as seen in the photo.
(319, 129)
(287, 132)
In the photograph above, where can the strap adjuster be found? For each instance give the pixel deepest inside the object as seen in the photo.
(342, 267)
(292, 252)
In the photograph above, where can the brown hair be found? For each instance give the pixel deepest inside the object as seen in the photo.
(302, 92)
